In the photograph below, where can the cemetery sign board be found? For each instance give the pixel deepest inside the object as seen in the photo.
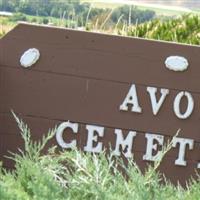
(102, 90)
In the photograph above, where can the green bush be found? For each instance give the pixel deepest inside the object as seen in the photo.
(33, 20)
(45, 21)
(73, 175)
(18, 17)
(184, 29)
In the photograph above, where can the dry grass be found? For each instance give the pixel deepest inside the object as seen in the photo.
(5, 25)
(5, 29)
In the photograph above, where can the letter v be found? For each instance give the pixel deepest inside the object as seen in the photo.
(157, 105)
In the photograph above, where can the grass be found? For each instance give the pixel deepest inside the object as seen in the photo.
(102, 4)
(183, 29)
(70, 175)
(52, 20)
(5, 29)
(5, 25)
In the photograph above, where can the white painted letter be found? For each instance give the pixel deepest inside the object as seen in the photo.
(151, 146)
(177, 105)
(59, 134)
(156, 105)
(94, 138)
(128, 142)
(131, 99)
(198, 166)
(182, 147)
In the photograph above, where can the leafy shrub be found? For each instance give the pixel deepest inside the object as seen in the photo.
(76, 175)
(45, 21)
(18, 17)
(34, 20)
(184, 29)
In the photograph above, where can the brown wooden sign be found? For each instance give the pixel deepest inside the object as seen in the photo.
(131, 93)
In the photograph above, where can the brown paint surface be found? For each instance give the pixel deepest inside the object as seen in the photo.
(84, 77)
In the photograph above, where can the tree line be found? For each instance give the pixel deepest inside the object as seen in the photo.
(75, 10)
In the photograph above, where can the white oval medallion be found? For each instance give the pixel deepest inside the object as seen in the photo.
(30, 57)
(176, 63)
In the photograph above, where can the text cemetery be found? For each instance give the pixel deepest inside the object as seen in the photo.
(153, 141)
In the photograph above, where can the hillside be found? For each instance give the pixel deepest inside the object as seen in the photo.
(182, 3)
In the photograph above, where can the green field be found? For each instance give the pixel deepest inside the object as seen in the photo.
(7, 23)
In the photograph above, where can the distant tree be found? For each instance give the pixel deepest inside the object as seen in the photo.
(132, 14)
(75, 10)
(18, 17)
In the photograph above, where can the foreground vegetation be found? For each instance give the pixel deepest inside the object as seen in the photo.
(75, 175)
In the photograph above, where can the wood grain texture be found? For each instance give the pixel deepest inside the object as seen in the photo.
(84, 77)
(115, 58)
(55, 96)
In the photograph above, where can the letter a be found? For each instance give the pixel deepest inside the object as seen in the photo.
(131, 99)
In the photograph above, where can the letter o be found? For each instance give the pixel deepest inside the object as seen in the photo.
(190, 106)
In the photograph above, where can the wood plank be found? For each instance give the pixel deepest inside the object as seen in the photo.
(99, 56)
(60, 97)
(9, 133)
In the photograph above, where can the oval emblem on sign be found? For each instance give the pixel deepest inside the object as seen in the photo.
(30, 57)
(176, 63)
